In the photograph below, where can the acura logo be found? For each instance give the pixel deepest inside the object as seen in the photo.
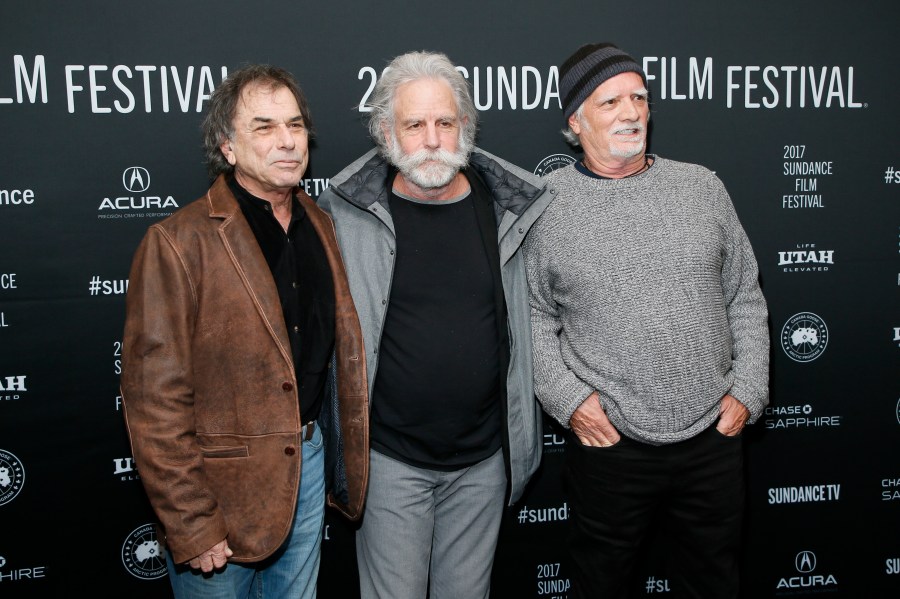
(805, 562)
(136, 179)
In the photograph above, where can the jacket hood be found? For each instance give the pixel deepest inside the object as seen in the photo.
(362, 183)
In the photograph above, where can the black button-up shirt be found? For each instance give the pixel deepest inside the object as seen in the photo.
(302, 276)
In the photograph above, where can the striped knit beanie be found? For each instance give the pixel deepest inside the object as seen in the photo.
(591, 65)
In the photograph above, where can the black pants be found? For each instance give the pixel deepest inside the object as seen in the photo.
(694, 490)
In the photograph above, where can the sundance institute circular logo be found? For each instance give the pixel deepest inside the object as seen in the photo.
(142, 555)
(804, 337)
(12, 477)
(551, 163)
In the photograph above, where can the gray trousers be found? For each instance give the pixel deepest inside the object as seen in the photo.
(430, 531)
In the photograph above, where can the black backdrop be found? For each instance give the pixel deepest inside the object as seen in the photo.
(791, 103)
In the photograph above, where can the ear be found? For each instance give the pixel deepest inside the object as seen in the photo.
(227, 151)
(387, 136)
(574, 125)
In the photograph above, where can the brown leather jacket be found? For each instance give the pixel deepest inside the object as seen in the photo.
(209, 388)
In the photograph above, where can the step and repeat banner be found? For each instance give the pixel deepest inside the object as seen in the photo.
(793, 104)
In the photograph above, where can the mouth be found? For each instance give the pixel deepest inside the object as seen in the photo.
(287, 163)
(630, 132)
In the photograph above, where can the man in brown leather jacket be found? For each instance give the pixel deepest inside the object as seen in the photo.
(240, 337)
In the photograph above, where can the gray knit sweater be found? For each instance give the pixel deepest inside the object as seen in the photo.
(646, 290)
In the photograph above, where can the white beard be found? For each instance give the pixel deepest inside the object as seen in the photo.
(629, 149)
(430, 169)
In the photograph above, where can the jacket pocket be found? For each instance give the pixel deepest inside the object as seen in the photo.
(225, 451)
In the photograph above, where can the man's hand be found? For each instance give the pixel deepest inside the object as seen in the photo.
(212, 559)
(732, 416)
(591, 425)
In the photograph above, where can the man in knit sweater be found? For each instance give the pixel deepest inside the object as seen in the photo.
(650, 341)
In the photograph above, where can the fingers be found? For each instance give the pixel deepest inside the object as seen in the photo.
(597, 435)
(592, 441)
(730, 425)
(201, 562)
(732, 416)
(212, 559)
(728, 428)
(590, 423)
(219, 559)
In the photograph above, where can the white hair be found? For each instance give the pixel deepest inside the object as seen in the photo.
(414, 66)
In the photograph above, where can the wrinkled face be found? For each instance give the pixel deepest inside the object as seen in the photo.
(613, 123)
(269, 147)
(426, 142)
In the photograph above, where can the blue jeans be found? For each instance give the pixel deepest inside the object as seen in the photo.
(291, 571)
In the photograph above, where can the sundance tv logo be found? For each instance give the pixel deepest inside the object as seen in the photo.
(892, 565)
(137, 204)
(804, 337)
(805, 494)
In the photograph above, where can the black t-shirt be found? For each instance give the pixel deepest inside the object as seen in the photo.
(437, 397)
(302, 276)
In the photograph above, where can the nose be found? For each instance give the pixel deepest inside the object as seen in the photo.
(285, 137)
(432, 139)
(629, 110)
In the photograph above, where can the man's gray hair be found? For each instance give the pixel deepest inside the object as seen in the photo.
(414, 66)
(218, 124)
(569, 134)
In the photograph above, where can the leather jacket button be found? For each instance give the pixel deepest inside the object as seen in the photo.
(287, 386)
(289, 450)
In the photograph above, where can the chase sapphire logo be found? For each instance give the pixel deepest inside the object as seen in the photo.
(551, 163)
(136, 179)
